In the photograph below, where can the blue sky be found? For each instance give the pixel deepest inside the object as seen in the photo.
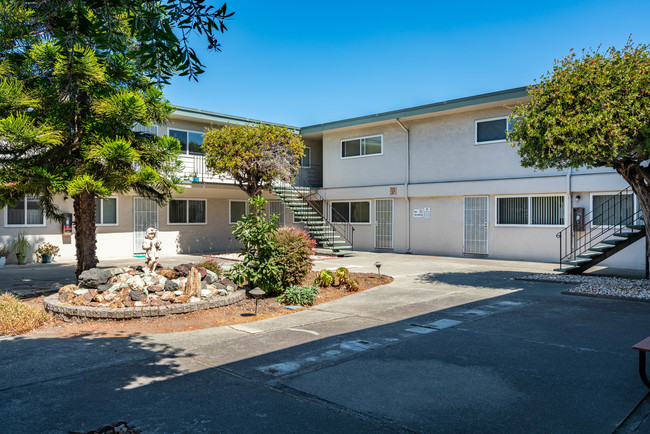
(303, 63)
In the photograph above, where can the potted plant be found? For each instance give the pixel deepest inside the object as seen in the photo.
(47, 252)
(21, 247)
(4, 252)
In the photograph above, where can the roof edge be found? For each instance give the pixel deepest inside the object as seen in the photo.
(517, 92)
(220, 117)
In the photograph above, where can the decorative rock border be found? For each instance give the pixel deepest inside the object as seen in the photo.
(72, 313)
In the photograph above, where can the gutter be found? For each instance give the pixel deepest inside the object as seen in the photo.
(406, 185)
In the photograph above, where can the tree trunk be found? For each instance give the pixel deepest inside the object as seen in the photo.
(637, 178)
(85, 235)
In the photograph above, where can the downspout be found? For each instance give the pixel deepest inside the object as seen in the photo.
(406, 185)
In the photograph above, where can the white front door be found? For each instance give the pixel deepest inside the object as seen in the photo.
(145, 215)
(475, 233)
(384, 223)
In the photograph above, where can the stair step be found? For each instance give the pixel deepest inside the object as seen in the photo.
(614, 241)
(335, 242)
(589, 255)
(625, 234)
(601, 248)
(577, 262)
(637, 227)
(565, 269)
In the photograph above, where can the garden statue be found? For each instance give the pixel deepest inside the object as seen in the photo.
(151, 245)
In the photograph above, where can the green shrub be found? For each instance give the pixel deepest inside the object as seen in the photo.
(293, 257)
(257, 233)
(303, 295)
(213, 266)
(324, 278)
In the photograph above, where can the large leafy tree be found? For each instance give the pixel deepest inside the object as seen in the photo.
(592, 110)
(254, 155)
(75, 77)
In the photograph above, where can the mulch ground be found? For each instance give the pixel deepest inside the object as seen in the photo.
(238, 313)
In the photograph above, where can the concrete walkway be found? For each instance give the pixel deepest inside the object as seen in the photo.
(453, 345)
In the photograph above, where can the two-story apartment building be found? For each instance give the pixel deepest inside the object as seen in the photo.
(436, 179)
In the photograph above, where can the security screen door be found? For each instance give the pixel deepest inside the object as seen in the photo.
(475, 237)
(384, 223)
(145, 215)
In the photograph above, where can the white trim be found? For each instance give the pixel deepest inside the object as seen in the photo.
(24, 225)
(187, 212)
(117, 211)
(476, 122)
(230, 201)
(369, 201)
(381, 136)
(308, 166)
(187, 152)
(392, 225)
(529, 204)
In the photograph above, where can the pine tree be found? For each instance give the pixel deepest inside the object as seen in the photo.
(75, 77)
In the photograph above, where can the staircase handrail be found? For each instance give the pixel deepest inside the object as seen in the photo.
(572, 244)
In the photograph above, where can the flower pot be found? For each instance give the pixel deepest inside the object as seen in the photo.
(196, 179)
(46, 259)
(22, 259)
(3, 261)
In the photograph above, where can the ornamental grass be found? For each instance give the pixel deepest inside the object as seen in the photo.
(17, 317)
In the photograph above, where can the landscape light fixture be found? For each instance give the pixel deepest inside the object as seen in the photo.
(378, 265)
(257, 293)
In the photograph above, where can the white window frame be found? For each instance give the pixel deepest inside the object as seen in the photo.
(230, 210)
(476, 122)
(284, 211)
(187, 152)
(369, 202)
(308, 165)
(187, 212)
(529, 197)
(637, 206)
(25, 225)
(381, 136)
(117, 212)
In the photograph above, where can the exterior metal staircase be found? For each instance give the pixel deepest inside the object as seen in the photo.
(306, 205)
(605, 231)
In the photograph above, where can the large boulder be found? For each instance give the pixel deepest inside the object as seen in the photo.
(94, 277)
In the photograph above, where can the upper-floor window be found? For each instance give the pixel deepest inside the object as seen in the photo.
(491, 130)
(305, 161)
(139, 128)
(530, 210)
(106, 211)
(361, 146)
(191, 141)
(187, 211)
(27, 212)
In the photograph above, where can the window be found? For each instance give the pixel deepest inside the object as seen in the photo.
(106, 211)
(305, 161)
(139, 128)
(491, 130)
(361, 146)
(277, 207)
(530, 210)
(353, 212)
(187, 211)
(610, 209)
(238, 209)
(191, 141)
(25, 213)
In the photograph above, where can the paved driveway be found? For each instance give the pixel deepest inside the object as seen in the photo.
(453, 345)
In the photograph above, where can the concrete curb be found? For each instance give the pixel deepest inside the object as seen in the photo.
(72, 313)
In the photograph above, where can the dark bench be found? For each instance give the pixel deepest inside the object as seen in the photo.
(643, 347)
